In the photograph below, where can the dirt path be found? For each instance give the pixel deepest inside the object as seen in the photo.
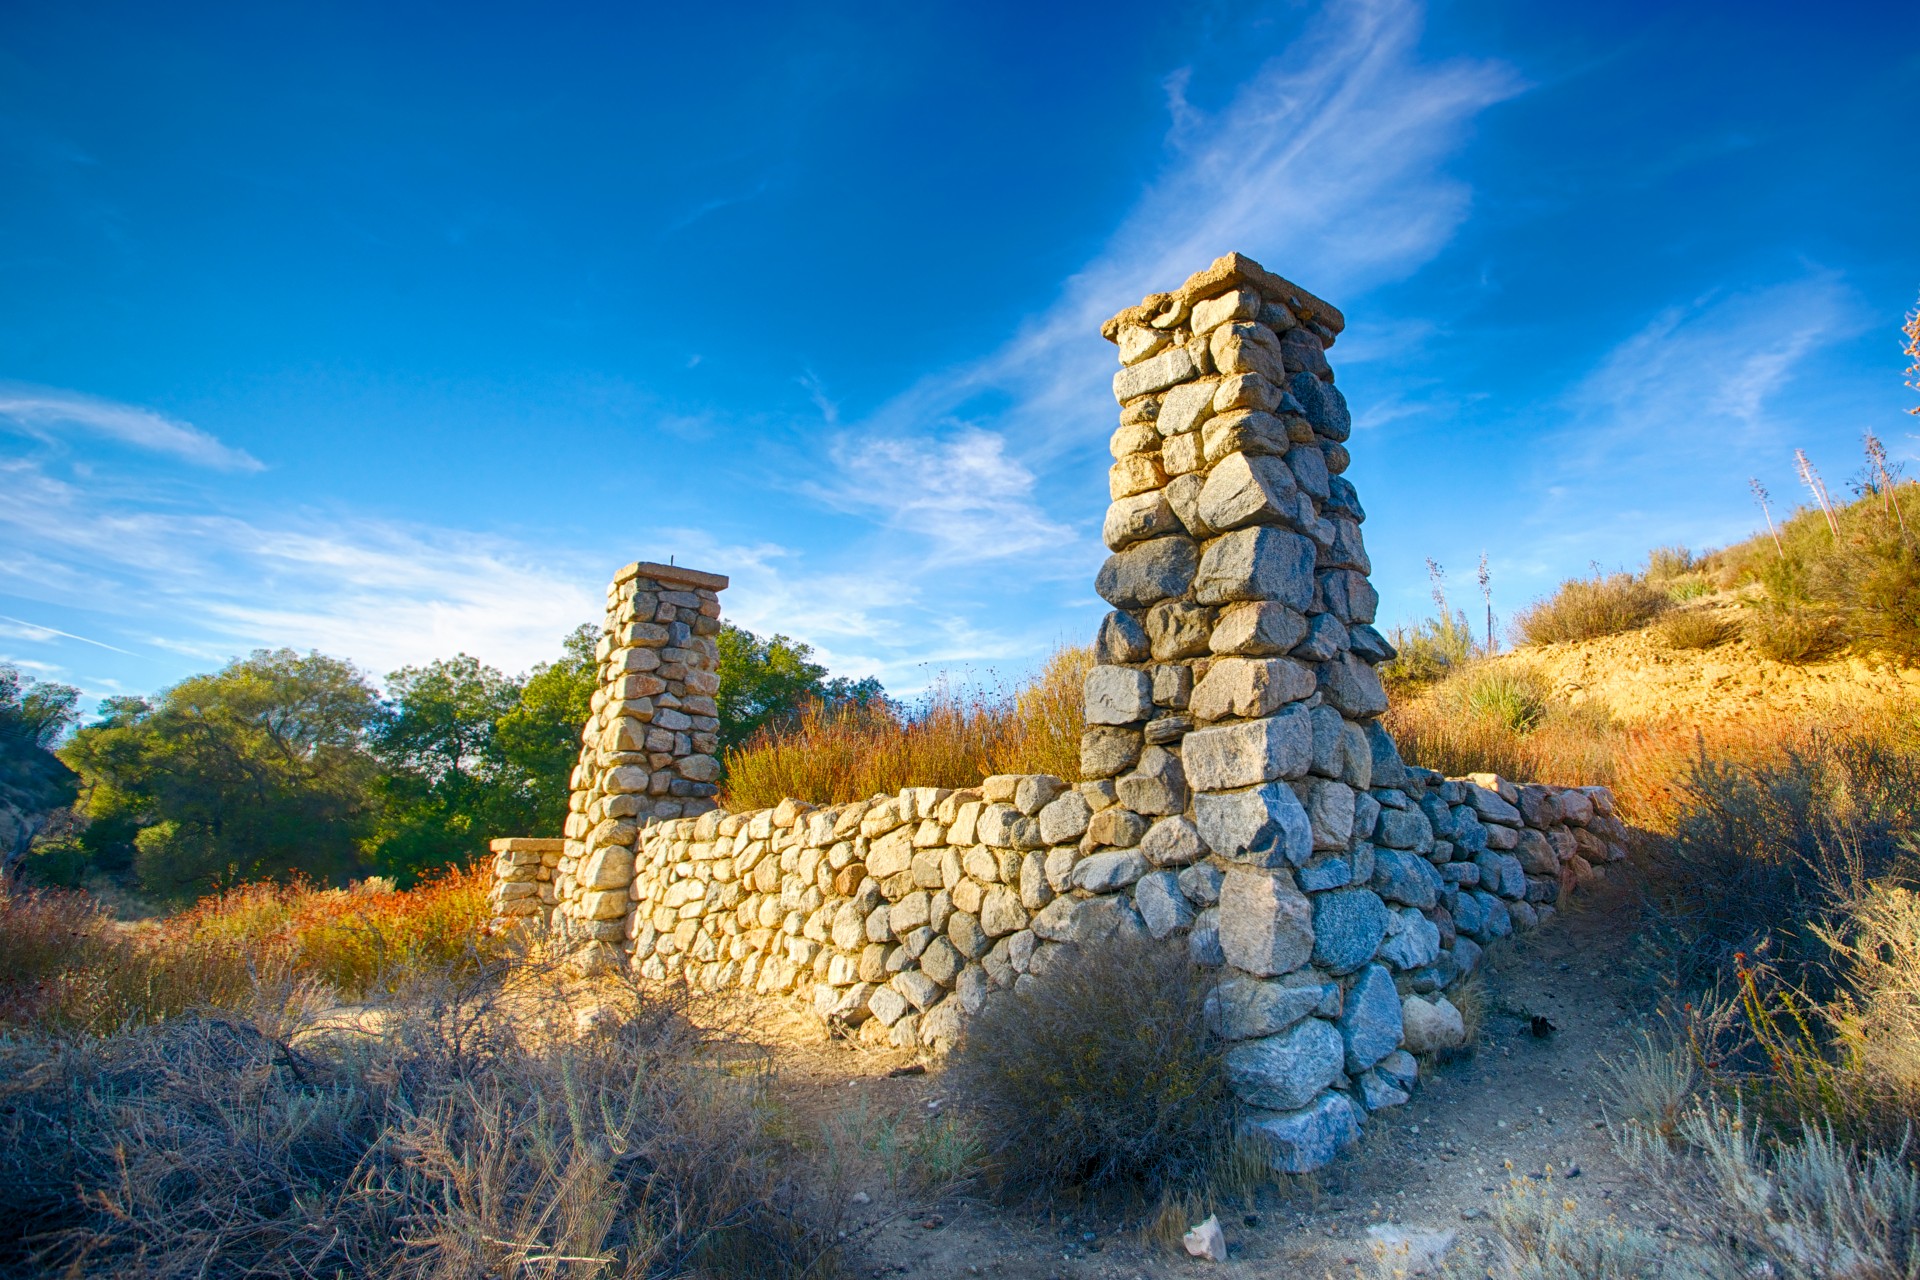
(1524, 1100)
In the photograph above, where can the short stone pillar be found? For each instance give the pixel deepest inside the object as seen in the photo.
(523, 871)
(648, 752)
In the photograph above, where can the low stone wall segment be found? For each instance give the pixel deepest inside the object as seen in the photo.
(1240, 791)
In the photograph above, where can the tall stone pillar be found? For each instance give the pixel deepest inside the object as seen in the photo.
(1234, 700)
(648, 752)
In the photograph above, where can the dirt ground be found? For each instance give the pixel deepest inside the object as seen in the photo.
(1527, 1103)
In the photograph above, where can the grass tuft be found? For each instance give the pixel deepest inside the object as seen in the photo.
(1588, 608)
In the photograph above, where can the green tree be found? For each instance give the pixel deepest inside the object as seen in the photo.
(469, 754)
(766, 682)
(540, 737)
(257, 770)
(34, 783)
(442, 787)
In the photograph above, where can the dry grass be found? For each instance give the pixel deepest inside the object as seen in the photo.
(64, 962)
(1500, 719)
(957, 739)
(1587, 608)
(1696, 629)
(479, 1135)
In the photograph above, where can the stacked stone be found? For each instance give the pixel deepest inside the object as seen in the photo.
(1236, 708)
(647, 752)
(523, 871)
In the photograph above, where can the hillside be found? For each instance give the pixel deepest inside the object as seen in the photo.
(1638, 677)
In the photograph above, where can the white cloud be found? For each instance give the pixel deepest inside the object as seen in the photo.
(45, 410)
(1326, 165)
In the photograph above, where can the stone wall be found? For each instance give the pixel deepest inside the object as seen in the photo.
(1239, 790)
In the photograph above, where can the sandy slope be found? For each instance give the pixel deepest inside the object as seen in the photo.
(1639, 677)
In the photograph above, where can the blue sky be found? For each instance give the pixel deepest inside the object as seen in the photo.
(393, 330)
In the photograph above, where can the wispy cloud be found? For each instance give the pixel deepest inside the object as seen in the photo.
(45, 411)
(1327, 164)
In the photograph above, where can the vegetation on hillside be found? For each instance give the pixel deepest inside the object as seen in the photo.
(34, 783)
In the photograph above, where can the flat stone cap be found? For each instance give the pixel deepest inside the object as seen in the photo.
(671, 573)
(1165, 310)
(525, 844)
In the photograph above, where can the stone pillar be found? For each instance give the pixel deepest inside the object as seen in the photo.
(523, 871)
(647, 753)
(1235, 692)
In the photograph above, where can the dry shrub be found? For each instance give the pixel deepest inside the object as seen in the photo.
(1769, 847)
(1794, 634)
(1101, 1074)
(1541, 1233)
(478, 1136)
(1696, 629)
(1588, 608)
(955, 740)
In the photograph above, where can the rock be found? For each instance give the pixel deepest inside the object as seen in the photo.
(1265, 923)
(887, 1005)
(1399, 1068)
(942, 962)
(1239, 304)
(1206, 1241)
(1162, 907)
(1404, 829)
(1201, 884)
(1178, 629)
(1352, 687)
(1246, 1008)
(1157, 785)
(1330, 809)
(1001, 911)
(1323, 874)
(1105, 752)
(1413, 941)
(1150, 571)
(1348, 927)
(1246, 391)
(1370, 1021)
(1036, 791)
(1283, 1072)
(1323, 406)
(1370, 646)
(1386, 768)
(1172, 842)
(1431, 1026)
(1256, 628)
(1490, 805)
(1326, 639)
(1260, 563)
(1105, 872)
(1156, 374)
(1306, 1139)
(1137, 518)
(1251, 752)
(1203, 940)
(1243, 490)
(1118, 695)
(1185, 407)
(1247, 687)
(1065, 819)
(1536, 854)
(1120, 640)
(1377, 1092)
(1264, 826)
(1401, 877)
(1241, 347)
(1115, 828)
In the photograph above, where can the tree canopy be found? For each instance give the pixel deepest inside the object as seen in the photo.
(33, 781)
(767, 681)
